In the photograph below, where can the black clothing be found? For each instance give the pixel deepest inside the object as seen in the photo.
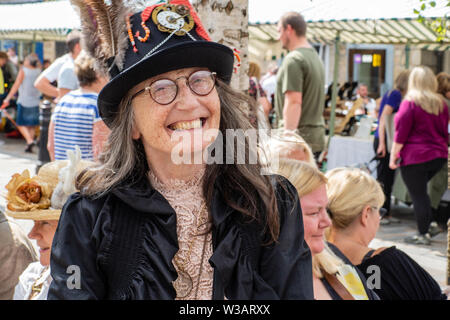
(385, 175)
(401, 277)
(416, 177)
(124, 243)
(370, 293)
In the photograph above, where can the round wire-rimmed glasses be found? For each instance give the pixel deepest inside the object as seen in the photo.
(164, 91)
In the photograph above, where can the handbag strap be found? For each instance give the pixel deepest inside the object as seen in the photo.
(340, 289)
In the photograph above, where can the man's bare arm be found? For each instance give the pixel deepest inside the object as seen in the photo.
(44, 86)
(292, 110)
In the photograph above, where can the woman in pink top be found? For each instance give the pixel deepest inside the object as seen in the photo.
(420, 144)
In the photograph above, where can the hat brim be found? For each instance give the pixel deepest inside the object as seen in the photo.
(48, 214)
(214, 56)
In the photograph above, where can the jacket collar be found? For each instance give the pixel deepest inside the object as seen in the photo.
(141, 196)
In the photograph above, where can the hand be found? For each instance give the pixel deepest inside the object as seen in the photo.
(5, 104)
(381, 151)
(394, 161)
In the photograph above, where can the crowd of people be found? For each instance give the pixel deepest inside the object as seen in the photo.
(151, 228)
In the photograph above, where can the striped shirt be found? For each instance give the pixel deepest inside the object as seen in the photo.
(74, 117)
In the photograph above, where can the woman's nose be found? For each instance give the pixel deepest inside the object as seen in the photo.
(325, 220)
(34, 233)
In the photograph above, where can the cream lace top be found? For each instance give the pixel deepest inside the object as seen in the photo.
(195, 274)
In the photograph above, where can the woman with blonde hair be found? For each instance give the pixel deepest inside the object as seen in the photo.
(389, 104)
(420, 144)
(333, 276)
(288, 144)
(355, 219)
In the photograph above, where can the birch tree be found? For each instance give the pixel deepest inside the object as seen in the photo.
(227, 23)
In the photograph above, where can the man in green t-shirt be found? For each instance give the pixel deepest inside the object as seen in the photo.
(300, 96)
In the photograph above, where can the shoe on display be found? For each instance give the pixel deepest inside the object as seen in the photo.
(384, 222)
(424, 239)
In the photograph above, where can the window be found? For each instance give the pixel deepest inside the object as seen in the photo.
(368, 67)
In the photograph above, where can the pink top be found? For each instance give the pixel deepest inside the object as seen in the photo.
(424, 135)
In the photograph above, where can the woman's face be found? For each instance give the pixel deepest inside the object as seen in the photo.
(194, 119)
(43, 232)
(315, 218)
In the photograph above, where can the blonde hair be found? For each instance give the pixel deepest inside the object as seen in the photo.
(422, 90)
(349, 190)
(254, 70)
(307, 178)
(283, 143)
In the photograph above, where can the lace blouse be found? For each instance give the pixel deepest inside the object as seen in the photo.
(195, 274)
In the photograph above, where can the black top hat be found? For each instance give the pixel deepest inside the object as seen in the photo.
(161, 38)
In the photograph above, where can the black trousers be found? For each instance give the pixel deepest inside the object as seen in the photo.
(416, 177)
(385, 176)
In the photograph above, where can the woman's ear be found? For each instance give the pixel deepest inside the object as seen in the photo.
(135, 134)
(365, 215)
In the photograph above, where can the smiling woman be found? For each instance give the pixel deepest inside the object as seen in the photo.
(152, 228)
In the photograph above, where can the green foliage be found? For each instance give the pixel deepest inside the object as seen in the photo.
(440, 25)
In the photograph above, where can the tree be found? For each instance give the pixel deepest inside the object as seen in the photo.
(440, 25)
(227, 23)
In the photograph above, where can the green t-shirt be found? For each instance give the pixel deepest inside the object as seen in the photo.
(303, 71)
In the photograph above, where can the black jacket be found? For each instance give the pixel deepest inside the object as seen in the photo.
(123, 244)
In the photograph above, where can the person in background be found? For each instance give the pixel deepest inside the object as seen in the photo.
(369, 104)
(28, 99)
(355, 217)
(390, 103)
(439, 183)
(286, 144)
(269, 85)
(333, 278)
(443, 80)
(420, 145)
(76, 120)
(255, 90)
(13, 56)
(16, 253)
(61, 70)
(300, 98)
(3, 60)
(45, 64)
(41, 200)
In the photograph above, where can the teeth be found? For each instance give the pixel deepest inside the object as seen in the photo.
(194, 124)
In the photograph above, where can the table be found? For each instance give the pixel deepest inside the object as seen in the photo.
(350, 151)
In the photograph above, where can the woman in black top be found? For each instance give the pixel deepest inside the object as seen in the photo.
(355, 199)
(161, 216)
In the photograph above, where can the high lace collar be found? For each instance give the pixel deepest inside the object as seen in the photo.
(191, 183)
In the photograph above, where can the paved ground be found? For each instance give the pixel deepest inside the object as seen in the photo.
(433, 258)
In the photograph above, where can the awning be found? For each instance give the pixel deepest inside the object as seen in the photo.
(39, 21)
(383, 31)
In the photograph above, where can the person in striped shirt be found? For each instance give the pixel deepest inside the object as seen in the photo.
(76, 120)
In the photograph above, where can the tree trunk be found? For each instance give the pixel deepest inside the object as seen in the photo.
(227, 23)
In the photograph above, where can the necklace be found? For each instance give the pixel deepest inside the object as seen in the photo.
(184, 283)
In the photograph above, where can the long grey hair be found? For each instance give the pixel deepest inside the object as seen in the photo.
(124, 159)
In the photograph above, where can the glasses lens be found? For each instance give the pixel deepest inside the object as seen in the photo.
(163, 91)
(201, 82)
(383, 212)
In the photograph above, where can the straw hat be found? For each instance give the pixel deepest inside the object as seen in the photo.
(30, 198)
